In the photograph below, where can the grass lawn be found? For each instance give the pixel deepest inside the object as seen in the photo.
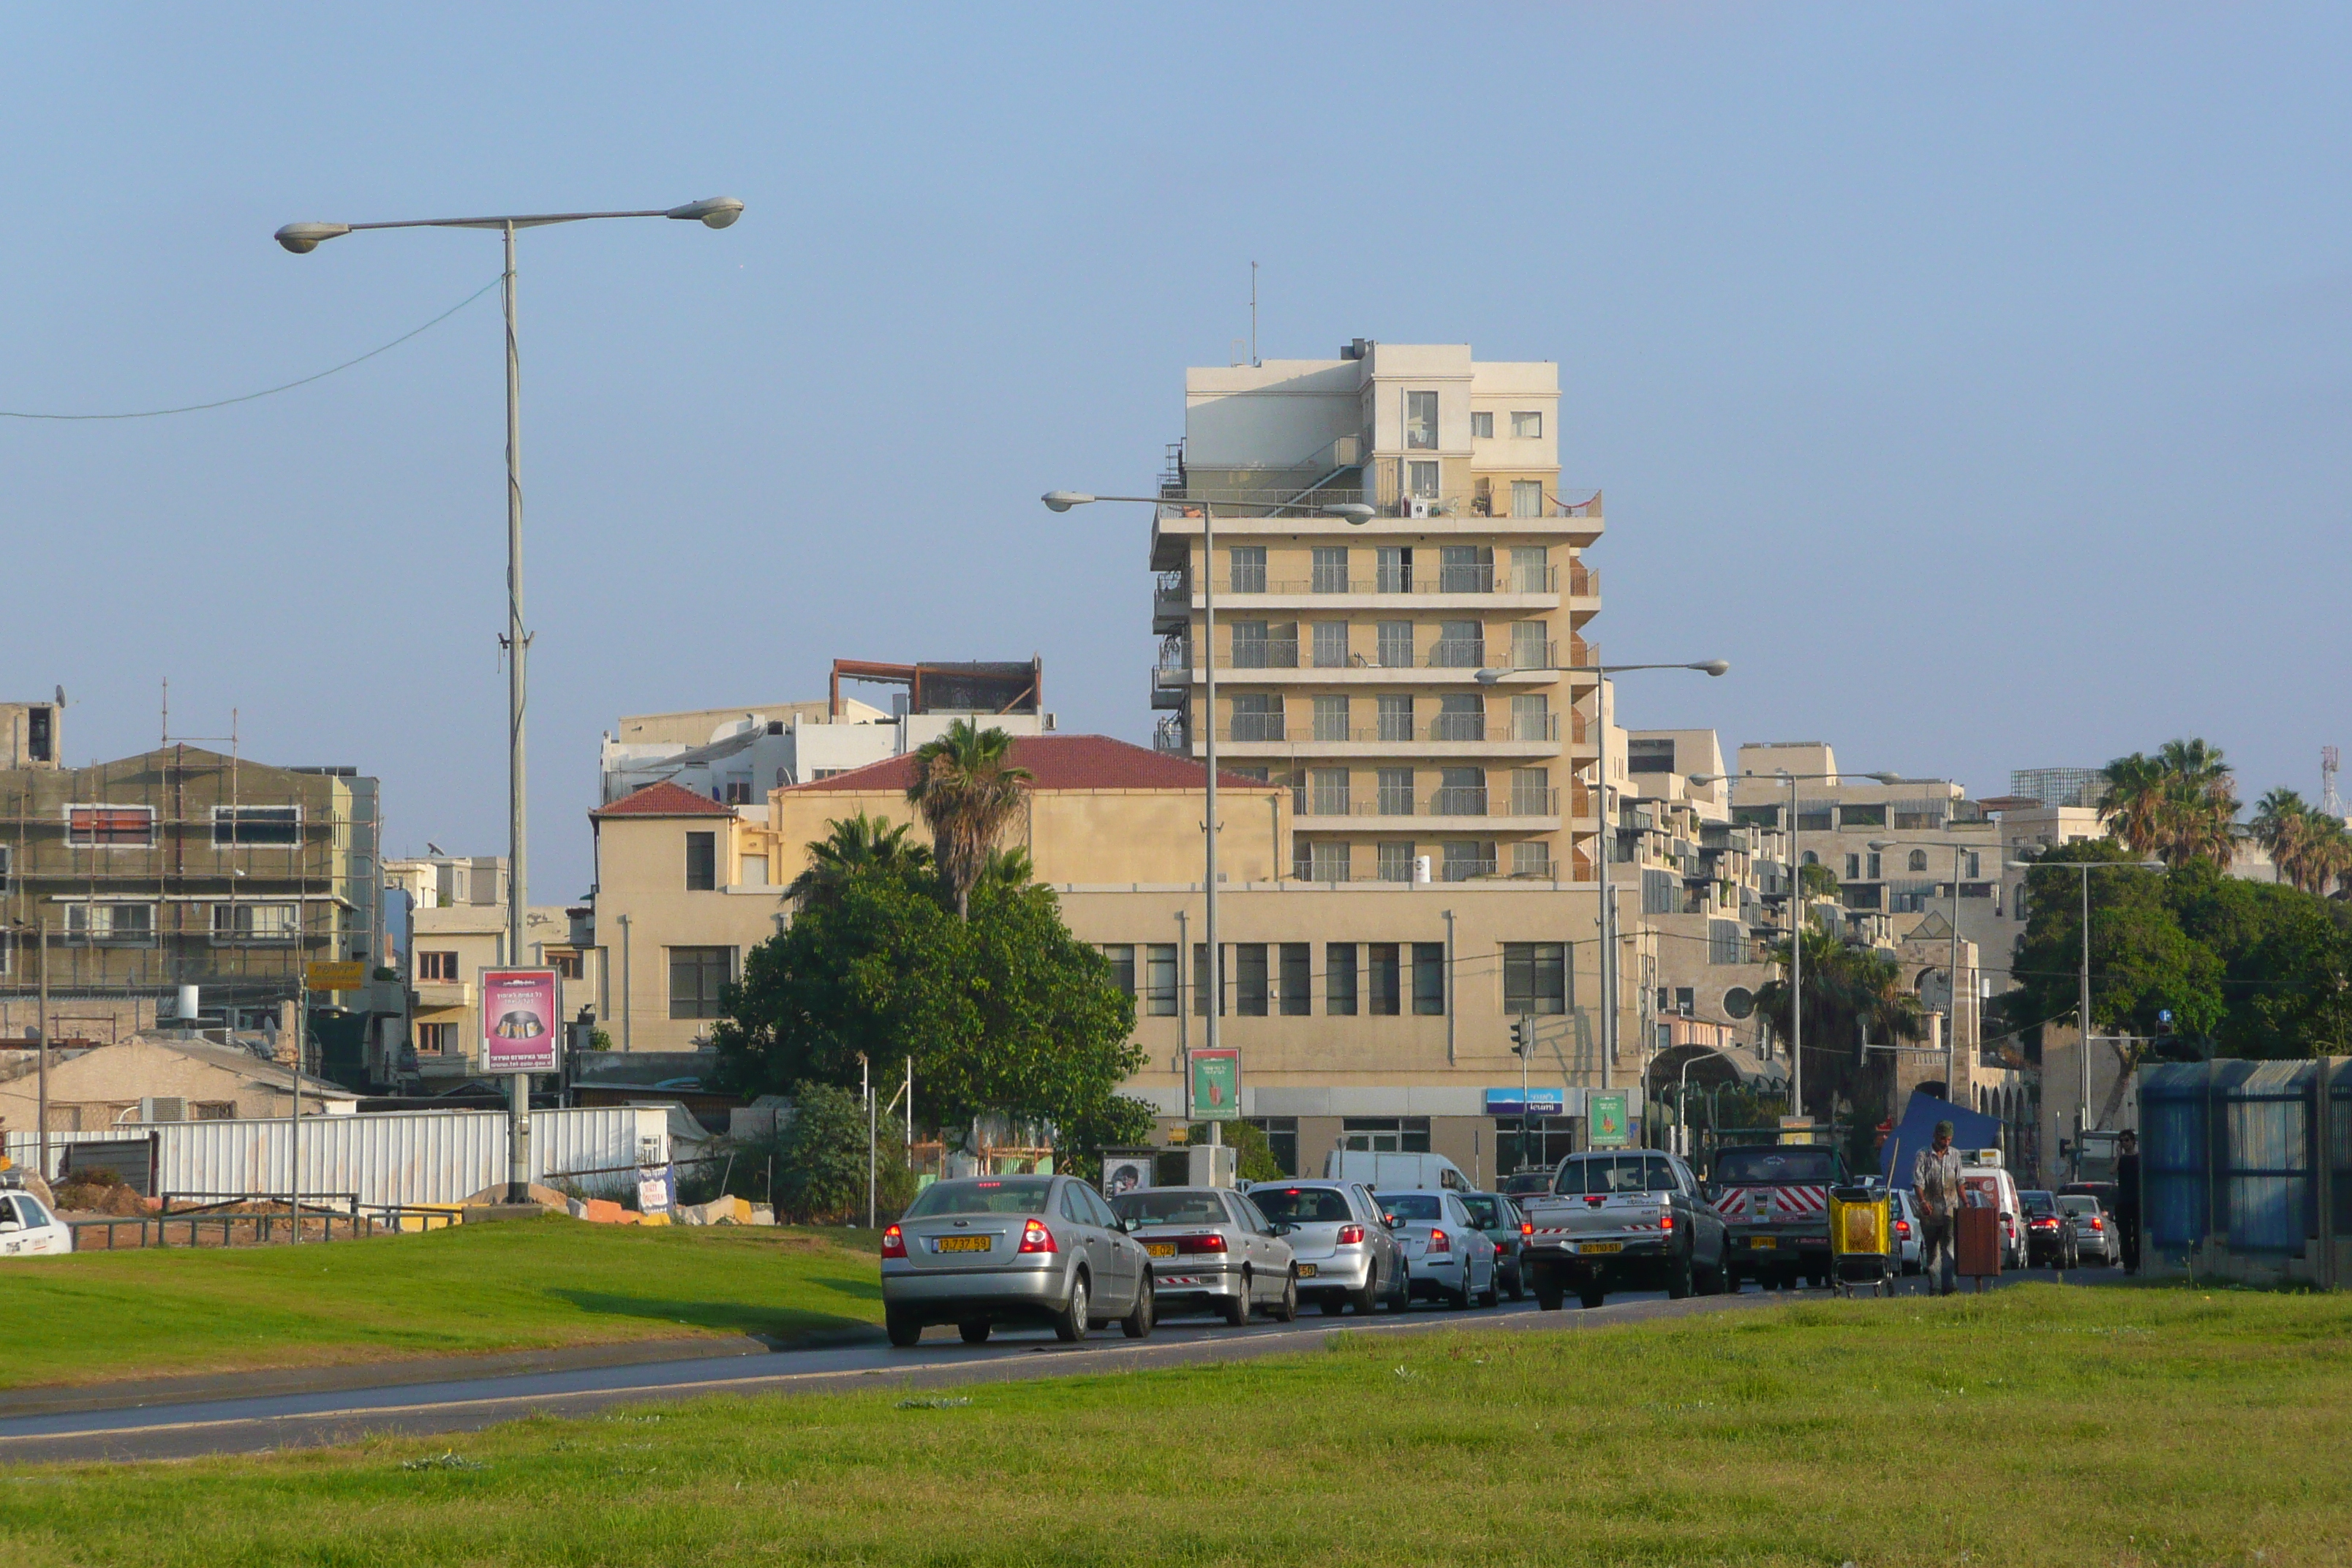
(516, 1284)
(2035, 1425)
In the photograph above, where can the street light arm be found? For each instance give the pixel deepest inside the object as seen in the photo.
(716, 212)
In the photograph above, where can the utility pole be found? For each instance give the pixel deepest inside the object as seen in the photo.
(294, 1132)
(41, 1058)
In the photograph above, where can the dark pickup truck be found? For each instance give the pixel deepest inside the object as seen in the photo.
(1633, 1220)
(1775, 1202)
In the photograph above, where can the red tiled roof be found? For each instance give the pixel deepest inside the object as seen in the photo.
(664, 799)
(1056, 761)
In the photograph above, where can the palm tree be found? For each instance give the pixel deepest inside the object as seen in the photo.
(2132, 801)
(1847, 990)
(967, 789)
(853, 848)
(2286, 828)
(2180, 803)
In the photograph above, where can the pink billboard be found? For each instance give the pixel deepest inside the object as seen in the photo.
(520, 1032)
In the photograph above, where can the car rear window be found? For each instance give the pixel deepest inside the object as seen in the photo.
(1482, 1211)
(2079, 1202)
(1008, 1195)
(1300, 1205)
(1614, 1173)
(1414, 1206)
(1170, 1208)
(2038, 1202)
(1749, 1167)
(1528, 1182)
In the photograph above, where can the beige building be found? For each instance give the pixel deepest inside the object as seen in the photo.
(1411, 678)
(148, 1077)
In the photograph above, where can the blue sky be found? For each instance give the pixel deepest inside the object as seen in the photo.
(1972, 377)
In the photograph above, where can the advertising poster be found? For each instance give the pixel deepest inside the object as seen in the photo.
(1216, 1084)
(1126, 1173)
(518, 1021)
(1606, 1121)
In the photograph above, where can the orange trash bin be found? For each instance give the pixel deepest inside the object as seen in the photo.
(1979, 1243)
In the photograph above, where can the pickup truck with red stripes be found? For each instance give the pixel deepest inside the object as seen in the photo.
(1630, 1219)
(1775, 1202)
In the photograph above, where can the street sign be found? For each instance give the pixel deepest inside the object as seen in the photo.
(1215, 1082)
(1605, 1125)
(518, 1014)
(335, 976)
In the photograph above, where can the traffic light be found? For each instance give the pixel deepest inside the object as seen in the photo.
(1523, 1036)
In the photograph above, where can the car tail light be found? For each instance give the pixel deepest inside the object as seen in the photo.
(1438, 1242)
(1903, 1228)
(1594, 1200)
(1351, 1235)
(1666, 1222)
(1212, 1242)
(2045, 1225)
(894, 1243)
(1035, 1237)
(2097, 1223)
(1526, 1229)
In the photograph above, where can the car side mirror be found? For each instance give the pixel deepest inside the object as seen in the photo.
(6, 1225)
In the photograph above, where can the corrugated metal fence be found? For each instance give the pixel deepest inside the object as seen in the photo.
(400, 1157)
(2242, 1174)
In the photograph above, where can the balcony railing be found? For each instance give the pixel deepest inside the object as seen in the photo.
(1256, 727)
(1284, 497)
(1323, 802)
(1458, 727)
(1455, 653)
(1400, 580)
(1168, 735)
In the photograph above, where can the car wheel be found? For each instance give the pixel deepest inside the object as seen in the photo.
(1139, 1323)
(1401, 1299)
(1678, 1279)
(1236, 1309)
(1518, 1284)
(905, 1329)
(974, 1334)
(1363, 1301)
(1592, 1296)
(1493, 1292)
(1285, 1306)
(1073, 1322)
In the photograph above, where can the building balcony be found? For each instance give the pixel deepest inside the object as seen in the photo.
(444, 993)
(1273, 736)
(1287, 659)
(1440, 811)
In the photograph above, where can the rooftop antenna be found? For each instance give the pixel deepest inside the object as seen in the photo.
(167, 710)
(1254, 361)
(2329, 801)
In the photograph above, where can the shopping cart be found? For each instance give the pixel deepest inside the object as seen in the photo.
(1861, 1242)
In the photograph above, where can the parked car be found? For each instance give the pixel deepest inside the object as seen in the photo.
(1384, 1170)
(1346, 1253)
(985, 1251)
(2095, 1229)
(1499, 1217)
(2050, 1235)
(1212, 1250)
(1910, 1235)
(1614, 1220)
(1774, 1200)
(1521, 1186)
(27, 1229)
(1450, 1257)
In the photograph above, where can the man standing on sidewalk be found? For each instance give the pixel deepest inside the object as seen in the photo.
(2127, 1200)
(1935, 1185)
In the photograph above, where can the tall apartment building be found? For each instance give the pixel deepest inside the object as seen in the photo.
(1413, 679)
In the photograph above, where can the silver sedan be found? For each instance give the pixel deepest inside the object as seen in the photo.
(1451, 1258)
(985, 1251)
(1346, 1252)
(1213, 1249)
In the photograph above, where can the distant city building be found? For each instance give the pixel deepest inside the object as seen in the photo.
(2058, 786)
(457, 927)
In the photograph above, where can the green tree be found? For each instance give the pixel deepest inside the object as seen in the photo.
(1817, 879)
(852, 847)
(1253, 1158)
(1846, 990)
(2180, 803)
(967, 789)
(2143, 963)
(817, 1158)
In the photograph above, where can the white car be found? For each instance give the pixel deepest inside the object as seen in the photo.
(1447, 1255)
(1908, 1240)
(27, 1229)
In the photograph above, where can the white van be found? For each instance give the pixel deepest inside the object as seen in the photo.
(1384, 1172)
(1985, 1180)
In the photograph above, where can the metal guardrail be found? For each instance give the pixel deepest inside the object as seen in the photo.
(213, 1223)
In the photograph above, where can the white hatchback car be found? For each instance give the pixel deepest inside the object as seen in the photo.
(28, 1229)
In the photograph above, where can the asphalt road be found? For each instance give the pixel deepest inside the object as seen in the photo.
(182, 1427)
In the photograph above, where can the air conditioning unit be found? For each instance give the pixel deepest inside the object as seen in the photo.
(163, 1108)
(1344, 453)
(1417, 507)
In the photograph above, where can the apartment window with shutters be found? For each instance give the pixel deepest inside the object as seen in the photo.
(1461, 791)
(1396, 645)
(1975, 864)
(569, 966)
(1396, 718)
(1531, 792)
(1328, 792)
(1250, 643)
(1421, 421)
(1466, 858)
(1531, 857)
(1257, 716)
(1396, 792)
(122, 925)
(436, 1039)
(1658, 893)
(1727, 942)
(1330, 645)
(1330, 569)
(1332, 719)
(1535, 977)
(1249, 979)
(1526, 497)
(1395, 862)
(1530, 568)
(1160, 980)
(1122, 965)
(701, 862)
(1429, 978)
(1297, 988)
(1392, 568)
(1461, 716)
(437, 968)
(1465, 569)
(1422, 477)
(1328, 862)
(1387, 979)
(1528, 425)
(697, 976)
(1530, 644)
(1248, 568)
(1873, 864)
(1532, 718)
(1339, 979)
(1482, 426)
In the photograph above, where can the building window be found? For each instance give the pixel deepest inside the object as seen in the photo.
(1658, 893)
(110, 826)
(1257, 716)
(1421, 421)
(1727, 942)
(1249, 979)
(5, 863)
(1461, 791)
(1330, 645)
(242, 923)
(1329, 792)
(1339, 979)
(1530, 644)
(739, 791)
(1974, 866)
(1253, 645)
(1863, 815)
(1814, 817)
(1531, 857)
(1281, 1139)
(1160, 980)
(1395, 861)
(1685, 1001)
(1332, 719)
(1248, 568)
(1528, 425)
(1461, 645)
(1853, 868)
(1387, 980)
(1526, 497)
(437, 1039)
(1465, 858)
(1461, 716)
(1328, 863)
(1532, 718)
(1297, 980)
(438, 968)
(1122, 957)
(1757, 815)
(1421, 479)
(1385, 1134)
(1393, 565)
(1429, 978)
(1465, 569)
(1396, 792)
(1396, 718)
(1918, 862)
(701, 863)
(129, 924)
(1482, 426)
(1396, 645)
(1330, 569)
(1866, 896)
(256, 825)
(1535, 977)
(569, 965)
(696, 976)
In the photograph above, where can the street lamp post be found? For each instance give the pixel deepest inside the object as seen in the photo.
(714, 212)
(40, 1054)
(1355, 513)
(2083, 869)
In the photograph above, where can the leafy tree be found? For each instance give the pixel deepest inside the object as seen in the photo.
(2132, 801)
(851, 847)
(967, 790)
(1817, 880)
(2180, 803)
(1253, 1158)
(1845, 990)
(817, 1156)
(2142, 963)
